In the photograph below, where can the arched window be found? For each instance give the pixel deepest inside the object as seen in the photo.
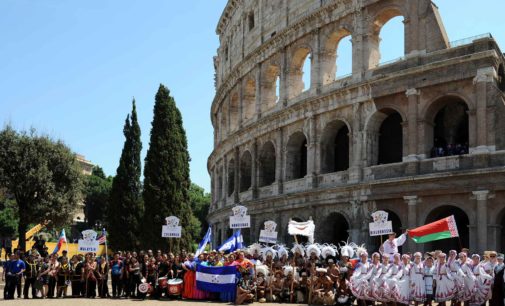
(231, 177)
(270, 87)
(296, 159)
(387, 41)
(267, 165)
(234, 112)
(335, 229)
(344, 58)
(336, 60)
(386, 137)
(335, 147)
(299, 74)
(249, 101)
(450, 127)
(245, 171)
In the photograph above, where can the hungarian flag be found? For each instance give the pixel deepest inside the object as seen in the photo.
(441, 229)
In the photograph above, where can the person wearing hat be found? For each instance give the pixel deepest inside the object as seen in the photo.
(261, 282)
(246, 289)
(322, 290)
(498, 284)
(390, 246)
(276, 285)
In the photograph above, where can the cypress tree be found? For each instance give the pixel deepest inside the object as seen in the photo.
(126, 209)
(166, 175)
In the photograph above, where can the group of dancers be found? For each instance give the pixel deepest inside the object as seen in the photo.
(320, 274)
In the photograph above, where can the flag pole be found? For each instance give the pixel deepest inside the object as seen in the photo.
(106, 253)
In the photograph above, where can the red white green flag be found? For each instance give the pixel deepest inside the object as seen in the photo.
(441, 229)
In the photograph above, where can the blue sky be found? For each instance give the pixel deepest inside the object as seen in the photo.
(71, 68)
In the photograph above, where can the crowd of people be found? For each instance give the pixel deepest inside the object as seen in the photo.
(311, 273)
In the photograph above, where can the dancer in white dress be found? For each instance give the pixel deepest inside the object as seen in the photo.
(378, 283)
(375, 266)
(466, 274)
(429, 270)
(359, 283)
(444, 282)
(482, 282)
(390, 278)
(401, 290)
(417, 285)
(454, 267)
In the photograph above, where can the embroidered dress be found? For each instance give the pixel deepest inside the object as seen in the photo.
(401, 290)
(378, 286)
(372, 271)
(391, 282)
(417, 284)
(359, 282)
(466, 274)
(457, 276)
(445, 289)
(482, 286)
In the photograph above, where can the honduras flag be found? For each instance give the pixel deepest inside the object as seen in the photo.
(235, 242)
(216, 279)
(206, 239)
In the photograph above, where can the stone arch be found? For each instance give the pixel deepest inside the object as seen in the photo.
(335, 144)
(234, 112)
(462, 222)
(500, 221)
(385, 132)
(249, 99)
(501, 77)
(296, 156)
(266, 165)
(270, 86)
(336, 228)
(448, 120)
(224, 121)
(331, 54)
(231, 177)
(381, 18)
(296, 72)
(245, 171)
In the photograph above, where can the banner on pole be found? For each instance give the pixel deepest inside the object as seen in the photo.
(240, 219)
(269, 235)
(88, 243)
(380, 225)
(172, 228)
(302, 228)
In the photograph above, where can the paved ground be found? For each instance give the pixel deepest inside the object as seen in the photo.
(109, 302)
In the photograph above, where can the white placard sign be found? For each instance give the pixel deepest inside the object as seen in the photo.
(88, 243)
(240, 219)
(172, 228)
(380, 225)
(269, 235)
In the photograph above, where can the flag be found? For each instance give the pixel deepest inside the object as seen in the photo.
(302, 228)
(62, 239)
(441, 229)
(235, 242)
(216, 279)
(103, 237)
(203, 243)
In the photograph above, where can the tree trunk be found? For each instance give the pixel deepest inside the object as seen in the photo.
(22, 226)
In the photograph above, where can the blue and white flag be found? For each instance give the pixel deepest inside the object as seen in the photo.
(235, 242)
(216, 279)
(206, 239)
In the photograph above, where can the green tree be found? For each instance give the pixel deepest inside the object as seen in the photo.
(42, 175)
(166, 175)
(8, 215)
(97, 189)
(125, 210)
(200, 203)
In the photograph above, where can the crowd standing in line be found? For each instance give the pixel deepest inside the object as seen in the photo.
(312, 273)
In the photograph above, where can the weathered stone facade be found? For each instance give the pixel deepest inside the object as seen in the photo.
(348, 146)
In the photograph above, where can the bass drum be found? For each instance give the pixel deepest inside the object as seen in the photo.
(144, 288)
(163, 282)
(174, 287)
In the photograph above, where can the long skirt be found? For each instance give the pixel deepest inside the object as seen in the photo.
(445, 290)
(482, 291)
(401, 291)
(379, 289)
(359, 287)
(466, 292)
(417, 288)
(187, 292)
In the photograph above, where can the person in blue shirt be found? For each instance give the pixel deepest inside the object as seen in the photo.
(15, 270)
(116, 266)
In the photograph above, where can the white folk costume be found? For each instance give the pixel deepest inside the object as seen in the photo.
(428, 280)
(445, 289)
(417, 284)
(468, 277)
(359, 282)
(391, 281)
(454, 270)
(378, 285)
(401, 290)
(372, 271)
(390, 247)
(482, 285)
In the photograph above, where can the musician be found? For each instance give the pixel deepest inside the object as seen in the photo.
(76, 271)
(31, 272)
(63, 277)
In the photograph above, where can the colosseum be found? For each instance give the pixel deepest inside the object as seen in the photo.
(421, 137)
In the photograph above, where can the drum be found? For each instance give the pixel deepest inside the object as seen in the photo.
(144, 288)
(162, 282)
(175, 286)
